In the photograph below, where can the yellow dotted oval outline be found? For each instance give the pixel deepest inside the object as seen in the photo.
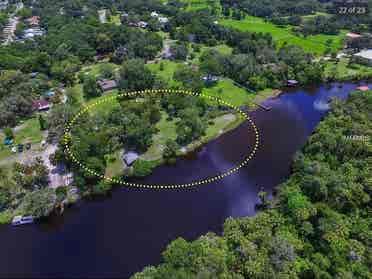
(159, 186)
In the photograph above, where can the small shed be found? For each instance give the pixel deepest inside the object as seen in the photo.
(130, 157)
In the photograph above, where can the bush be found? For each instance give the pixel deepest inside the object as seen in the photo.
(142, 168)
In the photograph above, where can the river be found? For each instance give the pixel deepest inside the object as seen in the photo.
(119, 235)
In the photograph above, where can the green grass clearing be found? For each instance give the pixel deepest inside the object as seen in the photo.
(96, 69)
(167, 73)
(315, 44)
(229, 92)
(341, 70)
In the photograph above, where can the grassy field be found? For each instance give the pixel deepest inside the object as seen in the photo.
(315, 44)
(227, 91)
(194, 5)
(167, 73)
(96, 69)
(28, 132)
(341, 70)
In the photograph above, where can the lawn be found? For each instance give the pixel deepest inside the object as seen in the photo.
(227, 91)
(167, 130)
(115, 19)
(222, 48)
(315, 44)
(95, 69)
(194, 5)
(167, 73)
(341, 70)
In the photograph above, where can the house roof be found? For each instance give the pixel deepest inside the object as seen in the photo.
(353, 35)
(367, 54)
(40, 104)
(130, 157)
(107, 84)
(34, 20)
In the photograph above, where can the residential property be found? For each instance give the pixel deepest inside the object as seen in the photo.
(161, 19)
(41, 105)
(33, 21)
(210, 79)
(364, 57)
(352, 35)
(107, 84)
(130, 157)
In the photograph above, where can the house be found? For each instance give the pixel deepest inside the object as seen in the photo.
(41, 105)
(142, 24)
(292, 82)
(33, 21)
(32, 32)
(107, 84)
(210, 78)
(352, 35)
(163, 19)
(364, 57)
(130, 157)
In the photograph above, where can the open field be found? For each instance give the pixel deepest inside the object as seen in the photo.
(227, 91)
(167, 73)
(194, 5)
(315, 44)
(341, 70)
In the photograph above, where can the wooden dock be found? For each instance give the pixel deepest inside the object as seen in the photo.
(266, 108)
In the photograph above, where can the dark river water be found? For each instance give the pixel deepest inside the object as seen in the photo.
(119, 235)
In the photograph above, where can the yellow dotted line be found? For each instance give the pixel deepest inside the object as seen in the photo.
(67, 137)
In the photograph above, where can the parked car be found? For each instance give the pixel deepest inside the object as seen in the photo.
(20, 148)
(28, 145)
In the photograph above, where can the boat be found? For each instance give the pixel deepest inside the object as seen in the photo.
(22, 220)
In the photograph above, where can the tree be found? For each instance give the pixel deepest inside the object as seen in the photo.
(90, 87)
(190, 127)
(142, 168)
(135, 76)
(8, 132)
(39, 203)
(179, 51)
(190, 79)
(42, 123)
(31, 176)
(170, 151)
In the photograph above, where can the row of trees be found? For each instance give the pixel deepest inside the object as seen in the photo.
(320, 224)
